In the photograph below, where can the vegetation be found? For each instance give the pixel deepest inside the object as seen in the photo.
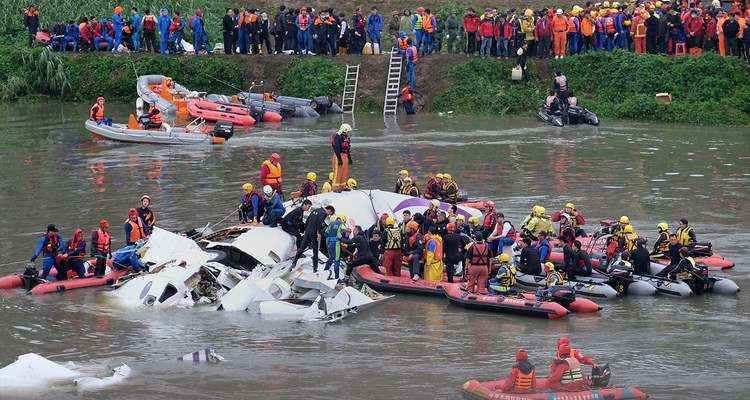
(313, 76)
(707, 90)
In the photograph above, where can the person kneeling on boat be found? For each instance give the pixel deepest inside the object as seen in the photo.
(504, 281)
(565, 372)
(686, 270)
(152, 120)
(640, 258)
(529, 258)
(71, 257)
(522, 376)
(309, 187)
(251, 204)
(478, 255)
(575, 353)
(575, 260)
(661, 245)
(413, 249)
(97, 112)
(362, 253)
(274, 208)
(48, 246)
(101, 247)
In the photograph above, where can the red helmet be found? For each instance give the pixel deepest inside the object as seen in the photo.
(275, 157)
(521, 355)
(563, 349)
(563, 340)
(132, 212)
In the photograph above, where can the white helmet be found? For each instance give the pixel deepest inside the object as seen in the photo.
(345, 128)
(435, 203)
(267, 190)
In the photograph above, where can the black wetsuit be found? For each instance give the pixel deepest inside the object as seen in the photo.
(641, 261)
(313, 227)
(363, 256)
(529, 262)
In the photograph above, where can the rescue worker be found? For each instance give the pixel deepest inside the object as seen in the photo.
(565, 373)
(536, 222)
(575, 353)
(251, 208)
(559, 33)
(351, 184)
(313, 228)
(685, 234)
(543, 247)
(434, 268)
(552, 103)
(412, 55)
(402, 175)
(628, 238)
(576, 262)
(133, 228)
(146, 216)
(101, 247)
(640, 258)
(96, 113)
(504, 281)
(560, 86)
(529, 258)
(328, 185)
(333, 234)
(474, 226)
(309, 188)
(270, 173)
(453, 246)
(686, 270)
(164, 21)
(48, 246)
(661, 245)
(409, 188)
(392, 248)
(407, 99)
(274, 207)
(118, 23)
(553, 278)
(433, 187)
(200, 37)
(522, 376)
(71, 257)
(293, 222)
(478, 255)
(570, 221)
(490, 219)
(450, 189)
(341, 158)
(413, 249)
(362, 253)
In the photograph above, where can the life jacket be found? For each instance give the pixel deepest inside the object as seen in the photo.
(149, 23)
(507, 276)
(664, 244)
(427, 24)
(574, 373)
(303, 21)
(573, 25)
(402, 44)
(102, 242)
(524, 381)
(550, 279)
(587, 27)
(438, 253)
(97, 112)
(568, 222)
(332, 232)
(413, 53)
(413, 239)
(146, 215)
(559, 24)
(685, 274)
(640, 27)
(546, 244)
(250, 19)
(479, 254)
(53, 244)
(274, 173)
(630, 239)
(406, 94)
(136, 232)
(72, 246)
(451, 190)
(418, 24)
(683, 236)
(393, 238)
(543, 225)
(609, 25)
(490, 220)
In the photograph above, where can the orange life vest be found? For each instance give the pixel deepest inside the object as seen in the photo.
(438, 253)
(402, 44)
(136, 232)
(102, 242)
(571, 26)
(97, 112)
(415, 52)
(427, 24)
(274, 173)
(524, 382)
(250, 19)
(609, 25)
(640, 27)
(559, 24)
(587, 27)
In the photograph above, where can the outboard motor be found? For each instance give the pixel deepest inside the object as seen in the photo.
(30, 277)
(702, 250)
(223, 129)
(600, 376)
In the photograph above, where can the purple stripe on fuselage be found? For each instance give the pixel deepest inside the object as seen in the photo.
(419, 202)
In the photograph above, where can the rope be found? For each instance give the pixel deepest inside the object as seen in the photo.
(236, 210)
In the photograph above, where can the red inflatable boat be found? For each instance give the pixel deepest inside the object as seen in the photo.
(481, 205)
(397, 284)
(211, 111)
(77, 283)
(491, 391)
(501, 304)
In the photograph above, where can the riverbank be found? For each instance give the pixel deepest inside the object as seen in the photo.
(707, 90)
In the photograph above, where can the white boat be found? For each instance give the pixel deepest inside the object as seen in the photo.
(164, 135)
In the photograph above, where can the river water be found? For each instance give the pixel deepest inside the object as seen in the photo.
(416, 348)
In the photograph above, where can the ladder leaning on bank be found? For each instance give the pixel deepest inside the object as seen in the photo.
(390, 102)
(350, 88)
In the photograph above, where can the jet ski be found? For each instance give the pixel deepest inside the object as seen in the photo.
(575, 115)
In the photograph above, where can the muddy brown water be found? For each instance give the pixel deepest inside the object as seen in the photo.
(416, 348)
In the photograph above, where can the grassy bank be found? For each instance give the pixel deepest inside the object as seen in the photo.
(707, 90)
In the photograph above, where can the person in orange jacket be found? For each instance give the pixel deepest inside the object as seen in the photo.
(565, 372)
(270, 173)
(522, 376)
(559, 33)
(573, 352)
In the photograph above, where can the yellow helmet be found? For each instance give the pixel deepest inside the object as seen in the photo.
(408, 180)
(593, 13)
(447, 177)
(403, 172)
(657, 4)
(504, 257)
(330, 176)
(439, 176)
(542, 211)
(570, 205)
(628, 229)
(605, 4)
(474, 220)
(663, 226)
(624, 219)
(548, 266)
(528, 12)
(312, 176)
(390, 221)
(351, 183)
(248, 187)
(460, 217)
(535, 210)
(341, 218)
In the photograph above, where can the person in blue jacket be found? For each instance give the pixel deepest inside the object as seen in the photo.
(48, 247)
(622, 33)
(118, 23)
(163, 22)
(200, 38)
(274, 207)
(71, 257)
(251, 204)
(543, 247)
(374, 27)
(136, 23)
(71, 36)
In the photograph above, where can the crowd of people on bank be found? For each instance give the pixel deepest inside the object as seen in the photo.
(653, 26)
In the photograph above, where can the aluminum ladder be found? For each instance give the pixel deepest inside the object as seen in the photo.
(392, 86)
(350, 89)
